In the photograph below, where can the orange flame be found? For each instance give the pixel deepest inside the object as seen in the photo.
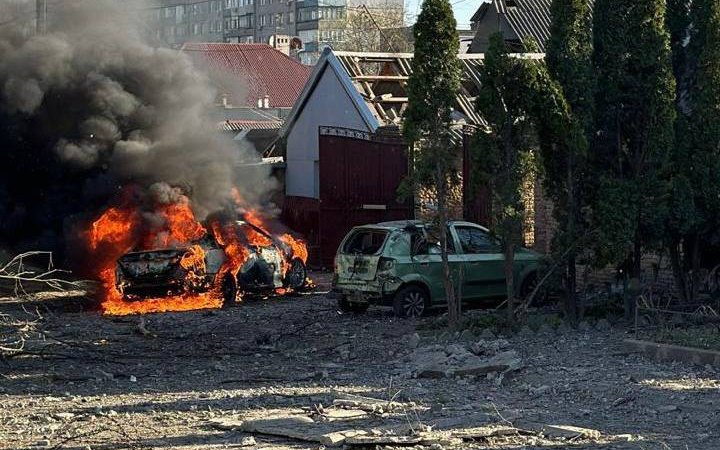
(122, 229)
(299, 249)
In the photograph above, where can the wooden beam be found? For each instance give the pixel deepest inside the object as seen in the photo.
(380, 78)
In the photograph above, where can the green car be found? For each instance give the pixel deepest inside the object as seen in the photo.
(398, 264)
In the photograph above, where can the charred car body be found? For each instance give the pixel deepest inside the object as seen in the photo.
(196, 266)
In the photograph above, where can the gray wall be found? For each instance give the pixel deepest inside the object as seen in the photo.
(328, 105)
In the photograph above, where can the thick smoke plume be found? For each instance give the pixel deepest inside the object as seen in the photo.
(88, 109)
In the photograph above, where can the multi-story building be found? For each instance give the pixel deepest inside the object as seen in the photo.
(22, 14)
(175, 22)
(320, 24)
(284, 24)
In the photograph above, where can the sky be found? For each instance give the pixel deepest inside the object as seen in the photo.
(464, 9)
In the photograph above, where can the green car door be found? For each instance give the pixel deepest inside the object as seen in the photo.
(483, 271)
(427, 262)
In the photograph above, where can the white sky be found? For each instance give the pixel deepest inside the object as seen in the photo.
(464, 9)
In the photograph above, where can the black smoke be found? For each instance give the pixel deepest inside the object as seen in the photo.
(88, 109)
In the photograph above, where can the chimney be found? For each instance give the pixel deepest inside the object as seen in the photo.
(266, 102)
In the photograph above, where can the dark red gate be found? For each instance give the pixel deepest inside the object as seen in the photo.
(359, 178)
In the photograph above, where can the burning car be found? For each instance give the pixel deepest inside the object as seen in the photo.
(267, 264)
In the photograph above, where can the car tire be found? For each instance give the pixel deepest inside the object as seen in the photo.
(229, 291)
(411, 302)
(296, 275)
(352, 307)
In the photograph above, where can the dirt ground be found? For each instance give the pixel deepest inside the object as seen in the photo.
(113, 382)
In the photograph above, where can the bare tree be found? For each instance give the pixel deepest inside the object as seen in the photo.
(376, 28)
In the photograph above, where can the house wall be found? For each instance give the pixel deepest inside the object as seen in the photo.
(490, 24)
(328, 105)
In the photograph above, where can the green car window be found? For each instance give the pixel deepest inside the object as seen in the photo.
(474, 240)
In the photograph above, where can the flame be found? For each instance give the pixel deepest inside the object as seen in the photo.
(299, 249)
(120, 230)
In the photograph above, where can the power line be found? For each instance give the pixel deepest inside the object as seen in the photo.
(189, 3)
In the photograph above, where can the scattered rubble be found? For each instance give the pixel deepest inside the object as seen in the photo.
(482, 357)
(225, 378)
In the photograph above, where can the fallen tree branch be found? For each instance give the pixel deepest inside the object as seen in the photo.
(16, 270)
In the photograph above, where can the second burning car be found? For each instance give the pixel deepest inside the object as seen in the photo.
(268, 264)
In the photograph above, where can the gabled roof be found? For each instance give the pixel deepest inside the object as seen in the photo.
(526, 18)
(376, 84)
(530, 18)
(260, 70)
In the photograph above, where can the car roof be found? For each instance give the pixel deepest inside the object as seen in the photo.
(402, 224)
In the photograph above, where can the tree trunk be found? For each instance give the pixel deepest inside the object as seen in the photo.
(632, 294)
(571, 227)
(509, 251)
(452, 301)
(678, 273)
(572, 309)
(695, 264)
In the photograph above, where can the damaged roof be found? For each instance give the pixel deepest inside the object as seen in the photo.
(376, 83)
(526, 18)
(260, 69)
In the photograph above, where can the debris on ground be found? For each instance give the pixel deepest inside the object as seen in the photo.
(481, 358)
(84, 380)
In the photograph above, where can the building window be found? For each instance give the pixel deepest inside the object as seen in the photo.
(169, 12)
(262, 20)
(196, 29)
(291, 17)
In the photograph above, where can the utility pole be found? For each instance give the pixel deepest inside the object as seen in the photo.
(41, 16)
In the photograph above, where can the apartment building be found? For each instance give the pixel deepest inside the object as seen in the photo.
(301, 27)
(174, 22)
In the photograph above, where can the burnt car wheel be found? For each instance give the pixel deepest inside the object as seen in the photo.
(229, 291)
(296, 275)
(411, 302)
(352, 307)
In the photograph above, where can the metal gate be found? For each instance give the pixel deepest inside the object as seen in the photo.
(360, 174)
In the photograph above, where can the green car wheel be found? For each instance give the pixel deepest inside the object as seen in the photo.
(411, 302)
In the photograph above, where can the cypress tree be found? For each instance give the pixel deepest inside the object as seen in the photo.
(431, 91)
(695, 199)
(569, 55)
(502, 150)
(634, 124)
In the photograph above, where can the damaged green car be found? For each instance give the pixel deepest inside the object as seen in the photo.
(398, 264)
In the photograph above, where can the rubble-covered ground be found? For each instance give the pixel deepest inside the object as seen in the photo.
(249, 376)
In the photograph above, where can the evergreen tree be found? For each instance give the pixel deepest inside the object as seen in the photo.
(431, 89)
(634, 118)
(502, 150)
(695, 201)
(569, 54)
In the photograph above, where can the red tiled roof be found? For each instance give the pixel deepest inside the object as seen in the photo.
(240, 125)
(261, 70)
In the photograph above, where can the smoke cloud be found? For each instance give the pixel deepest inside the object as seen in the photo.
(88, 109)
